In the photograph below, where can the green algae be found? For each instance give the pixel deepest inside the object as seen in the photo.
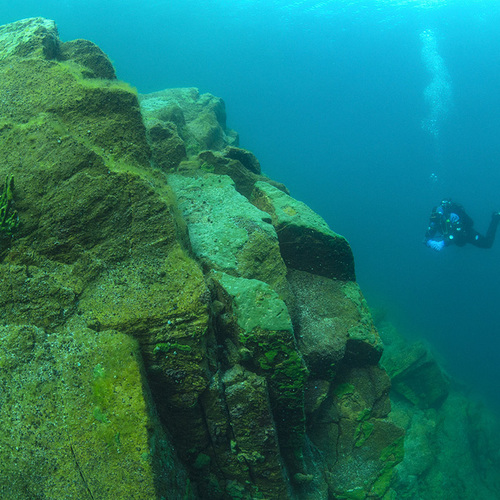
(80, 71)
(202, 461)
(362, 432)
(364, 415)
(343, 390)
(9, 220)
(171, 347)
(391, 455)
(364, 428)
(100, 416)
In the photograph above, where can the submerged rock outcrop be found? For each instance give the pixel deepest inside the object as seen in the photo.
(173, 323)
(451, 440)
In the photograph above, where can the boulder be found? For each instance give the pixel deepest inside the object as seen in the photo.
(306, 241)
(198, 120)
(333, 324)
(228, 233)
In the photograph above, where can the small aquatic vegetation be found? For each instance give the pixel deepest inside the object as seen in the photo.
(171, 347)
(9, 220)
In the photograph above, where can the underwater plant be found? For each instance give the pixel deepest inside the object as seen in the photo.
(9, 220)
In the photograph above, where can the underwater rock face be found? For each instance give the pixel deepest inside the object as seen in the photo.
(181, 330)
(74, 389)
(451, 441)
(333, 325)
(75, 420)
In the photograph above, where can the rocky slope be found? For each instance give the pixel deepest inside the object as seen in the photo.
(173, 323)
(452, 446)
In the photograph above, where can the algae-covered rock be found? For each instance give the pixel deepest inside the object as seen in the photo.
(168, 149)
(257, 323)
(88, 204)
(220, 220)
(78, 420)
(164, 305)
(246, 158)
(359, 446)
(450, 452)
(255, 440)
(333, 324)
(306, 241)
(199, 121)
(228, 233)
(90, 56)
(451, 441)
(34, 37)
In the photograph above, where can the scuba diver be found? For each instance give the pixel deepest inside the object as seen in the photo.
(449, 224)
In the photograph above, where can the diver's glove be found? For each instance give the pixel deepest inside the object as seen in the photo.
(435, 245)
(454, 217)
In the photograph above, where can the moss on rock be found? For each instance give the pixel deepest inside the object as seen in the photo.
(257, 321)
(77, 400)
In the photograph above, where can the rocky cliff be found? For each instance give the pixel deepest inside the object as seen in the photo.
(173, 323)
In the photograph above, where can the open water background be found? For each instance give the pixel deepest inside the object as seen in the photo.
(353, 105)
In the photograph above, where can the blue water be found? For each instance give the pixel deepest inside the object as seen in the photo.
(353, 105)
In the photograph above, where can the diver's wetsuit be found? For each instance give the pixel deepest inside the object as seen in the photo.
(450, 224)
